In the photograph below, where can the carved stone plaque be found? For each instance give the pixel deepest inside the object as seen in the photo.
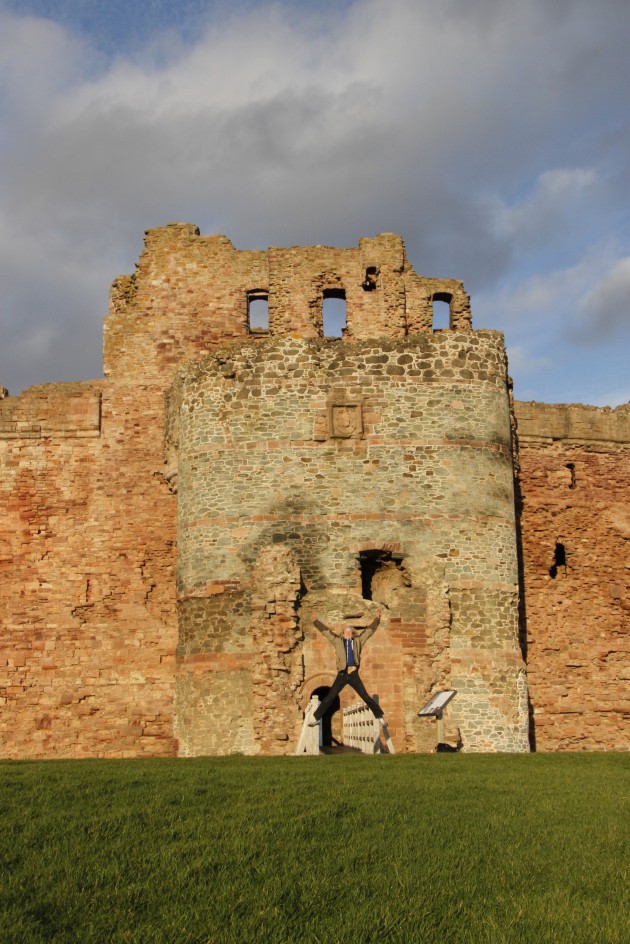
(345, 420)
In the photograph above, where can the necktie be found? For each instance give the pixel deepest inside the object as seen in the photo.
(349, 653)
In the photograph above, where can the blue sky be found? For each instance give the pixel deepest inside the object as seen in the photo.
(493, 135)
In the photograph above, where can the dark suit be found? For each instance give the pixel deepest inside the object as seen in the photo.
(347, 675)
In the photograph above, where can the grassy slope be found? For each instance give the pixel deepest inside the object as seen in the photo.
(440, 848)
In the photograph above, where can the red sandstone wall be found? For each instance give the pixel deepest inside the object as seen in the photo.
(187, 296)
(88, 627)
(578, 613)
(87, 618)
(87, 546)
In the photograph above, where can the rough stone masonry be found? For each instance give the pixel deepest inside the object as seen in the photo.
(168, 531)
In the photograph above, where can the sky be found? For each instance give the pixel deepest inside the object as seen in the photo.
(493, 135)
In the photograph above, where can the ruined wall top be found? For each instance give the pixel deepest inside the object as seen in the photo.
(191, 293)
(52, 411)
(550, 422)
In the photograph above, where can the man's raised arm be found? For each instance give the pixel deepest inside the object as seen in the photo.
(323, 628)
(371, 628)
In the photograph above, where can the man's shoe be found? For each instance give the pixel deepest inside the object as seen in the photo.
(314, 723)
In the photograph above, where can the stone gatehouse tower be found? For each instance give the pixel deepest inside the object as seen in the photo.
(337, 476)
(172, 528)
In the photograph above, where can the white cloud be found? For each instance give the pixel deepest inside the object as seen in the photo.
(546, 212)
(39, 61)
(523, 361)
(529, 368)
(606, 308)
(551, 297)
(479, 131)
(549, 338)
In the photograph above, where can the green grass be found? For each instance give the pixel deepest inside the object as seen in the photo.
(439, 848)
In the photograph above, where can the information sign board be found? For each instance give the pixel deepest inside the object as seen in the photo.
(437, 704)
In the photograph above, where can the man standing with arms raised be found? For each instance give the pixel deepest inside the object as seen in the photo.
(348, 650)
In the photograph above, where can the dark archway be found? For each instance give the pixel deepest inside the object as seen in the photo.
(327, 721)
(382, 574)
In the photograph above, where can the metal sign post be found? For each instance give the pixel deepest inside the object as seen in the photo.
(440, 727)
(435, 709)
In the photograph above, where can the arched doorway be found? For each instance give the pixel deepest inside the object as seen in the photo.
(330, 734)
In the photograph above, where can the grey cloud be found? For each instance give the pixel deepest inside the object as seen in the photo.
(606, 309)
(410, 117)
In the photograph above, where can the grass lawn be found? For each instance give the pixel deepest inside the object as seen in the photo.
(416, 848)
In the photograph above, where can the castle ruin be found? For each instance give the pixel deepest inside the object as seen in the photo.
(169, 531)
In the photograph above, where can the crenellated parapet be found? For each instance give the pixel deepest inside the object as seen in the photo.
(191, 293)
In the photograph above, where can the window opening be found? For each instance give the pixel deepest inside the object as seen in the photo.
(369, 282)
(258, 311)
(334, 312)
(441, 311)
(382, 575)
(559, 560)
(570, 466)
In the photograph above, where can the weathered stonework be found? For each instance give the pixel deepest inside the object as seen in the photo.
(575, 482)
(422, 463)
(87, 561)
(169, 531)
